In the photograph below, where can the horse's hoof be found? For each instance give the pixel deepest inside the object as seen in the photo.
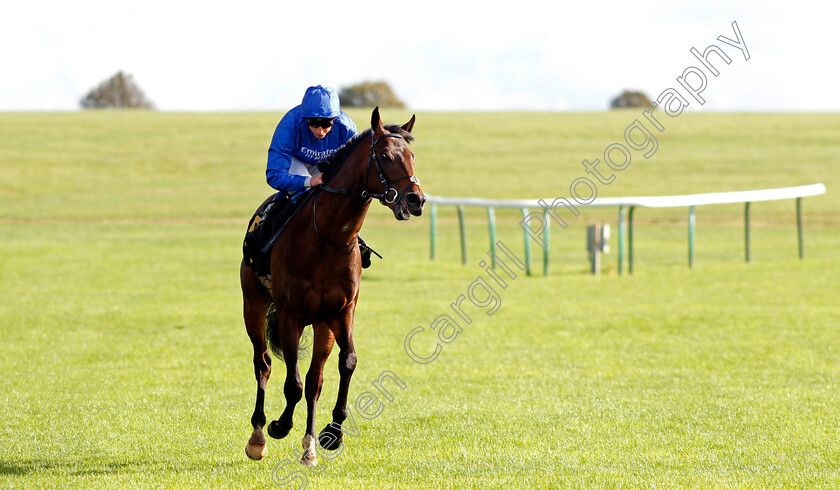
(331, 438)
(310, 457)
(256, 452)
(277, 431)
(256, 445)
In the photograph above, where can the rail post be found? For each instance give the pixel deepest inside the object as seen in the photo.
(547, 242)
(432, 230)
(630, 237)
(620, 240)
(491, 221)
(691, 222)
(799, 227)
(527, 245)
(747, 232)
(463, 234)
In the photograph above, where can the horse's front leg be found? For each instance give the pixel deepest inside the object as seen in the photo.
(332, 436)
(323, 340)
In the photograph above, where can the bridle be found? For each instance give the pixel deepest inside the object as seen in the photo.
(388, 195)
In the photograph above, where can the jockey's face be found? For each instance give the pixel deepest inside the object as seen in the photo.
(320, 126)
(320, 132)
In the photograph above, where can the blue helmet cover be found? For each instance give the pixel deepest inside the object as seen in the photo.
(319, 101)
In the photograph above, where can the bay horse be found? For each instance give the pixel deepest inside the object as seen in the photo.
(315, 277)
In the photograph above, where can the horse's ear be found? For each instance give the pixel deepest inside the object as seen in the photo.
(375, 120)
(409, 125)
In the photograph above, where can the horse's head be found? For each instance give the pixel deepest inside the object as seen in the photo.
(394, 160)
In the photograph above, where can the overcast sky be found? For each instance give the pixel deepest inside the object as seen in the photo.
(437, 55)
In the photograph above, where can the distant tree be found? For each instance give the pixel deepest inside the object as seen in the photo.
(630, 98)
(369, 94)
(119, 91)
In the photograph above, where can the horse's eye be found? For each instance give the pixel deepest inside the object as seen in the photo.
(383, 156)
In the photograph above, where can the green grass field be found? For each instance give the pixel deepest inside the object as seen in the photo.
(125, 362)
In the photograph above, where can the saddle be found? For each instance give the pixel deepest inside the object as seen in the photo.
(266, 225)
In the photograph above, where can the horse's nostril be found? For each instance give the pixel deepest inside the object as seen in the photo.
(413, 199)
(415, 203)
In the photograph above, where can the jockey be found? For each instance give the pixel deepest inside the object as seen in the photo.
(306, 135)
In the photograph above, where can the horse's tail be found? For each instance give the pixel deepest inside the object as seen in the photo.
(272, 334)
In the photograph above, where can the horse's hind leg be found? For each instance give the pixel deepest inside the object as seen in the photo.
(255, 305)
(322, 344)
(289, 336)
(332, 436)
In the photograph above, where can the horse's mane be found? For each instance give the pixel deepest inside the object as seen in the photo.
(333, 163)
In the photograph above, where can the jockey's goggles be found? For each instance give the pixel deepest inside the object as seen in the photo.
(320, 122)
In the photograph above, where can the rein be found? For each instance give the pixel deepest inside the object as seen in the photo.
(388, 195)
(323, 237)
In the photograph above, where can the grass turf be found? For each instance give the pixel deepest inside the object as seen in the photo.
(125, 361)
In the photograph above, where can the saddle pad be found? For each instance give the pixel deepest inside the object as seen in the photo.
(266, 226)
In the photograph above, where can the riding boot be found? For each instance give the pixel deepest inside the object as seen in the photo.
(366, 251)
